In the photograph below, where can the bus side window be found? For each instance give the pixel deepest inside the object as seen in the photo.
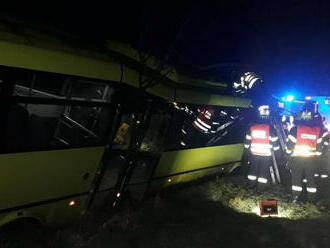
(39, 132)
(49, 116)
(156, 133)
(31, 127)
(195, 126)
(15, 127)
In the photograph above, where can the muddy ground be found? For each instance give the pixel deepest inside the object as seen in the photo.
(218, 213)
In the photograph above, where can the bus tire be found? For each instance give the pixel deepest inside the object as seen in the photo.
(23, 232)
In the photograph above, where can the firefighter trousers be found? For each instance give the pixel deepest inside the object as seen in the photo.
(303, 168)
(322, 167)
(259, 171)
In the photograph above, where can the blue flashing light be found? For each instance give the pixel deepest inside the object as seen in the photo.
(289, 98)
(308, 97)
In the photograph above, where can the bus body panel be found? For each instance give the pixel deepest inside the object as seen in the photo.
(195, 97)
(53, 213)
(28, 57)
(34, 177)
(158, 183)
(181, 161)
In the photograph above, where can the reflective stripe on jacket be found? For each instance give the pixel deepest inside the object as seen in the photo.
(307, 139)
(260, 144)
(203, 122)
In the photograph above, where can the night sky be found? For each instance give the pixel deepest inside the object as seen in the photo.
(287, 42)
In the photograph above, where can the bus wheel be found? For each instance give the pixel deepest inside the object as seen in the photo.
(25, 232)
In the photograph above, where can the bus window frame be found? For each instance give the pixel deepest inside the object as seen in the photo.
(7, 98)
(244, 114)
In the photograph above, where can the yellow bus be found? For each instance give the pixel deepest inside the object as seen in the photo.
(78, 130)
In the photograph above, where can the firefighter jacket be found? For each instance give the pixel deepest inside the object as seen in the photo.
(306, 140)
(288, 122)
(204, 121)
(261, 139)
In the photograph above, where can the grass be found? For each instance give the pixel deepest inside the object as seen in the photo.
(242, 199)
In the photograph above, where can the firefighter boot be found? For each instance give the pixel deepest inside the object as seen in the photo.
(311, 197)
(251, 184)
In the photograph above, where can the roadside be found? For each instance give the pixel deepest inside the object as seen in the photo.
(218, 213)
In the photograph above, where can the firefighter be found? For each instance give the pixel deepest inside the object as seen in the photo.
(200, 128)
(322, 170)
(261, 140)
(321, 173)
(287, 123)
(304, 145)
(204, 122)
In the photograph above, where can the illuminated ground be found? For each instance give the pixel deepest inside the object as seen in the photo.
(212, 214)
(233, 193)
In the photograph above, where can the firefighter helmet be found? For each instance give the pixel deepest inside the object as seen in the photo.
(310, 106)
(246, 82)
(264, 111)
(309, 110)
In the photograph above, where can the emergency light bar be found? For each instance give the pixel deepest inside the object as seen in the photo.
(268, 207)
(289, 98)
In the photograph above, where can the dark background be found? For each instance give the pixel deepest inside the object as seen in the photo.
(287, 42)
